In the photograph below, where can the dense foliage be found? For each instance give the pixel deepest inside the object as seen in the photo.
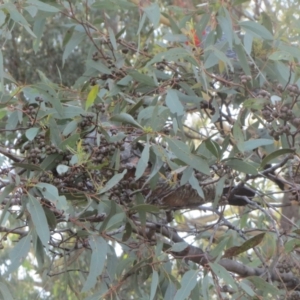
(149, 151)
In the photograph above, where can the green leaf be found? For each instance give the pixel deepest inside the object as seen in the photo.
(2, 18)
(253, 144)
(1, 71)
(127, 232)
(173, 54)
(292, 50)
(249, 244)
(144, 208)
(19, 253)
(5, 292)
(99, 66)
(178, 247)
(115, 221)
(50, 192)
(43, 6)
(98, 258)
(182, 151)
(156, 117)
(246, 288)
(18, 18)
(174, 104)
(6, 191)
(31, 133)
(256, 29)
(281, 55)
(195, 185)
(55, 135)
(215, 56)
(70, 142)
(241, 166)
(143, 162)
(74, 41)
(240, 51)
(142, 78)
(238, 135)
(255, 103)
(224, 274)
(71, 126)
(291, 245)
(38, 29)
(112, 38)
(113, 181)
(127, 119)
(213, 147)
(219, 191)
(226, 25)
(153, 13)
(264, 286)
(154, 284)
(91, 96)
(274, 155)
(188, 282)
(39, 220)
(51, 218)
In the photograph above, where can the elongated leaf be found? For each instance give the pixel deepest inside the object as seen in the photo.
(178, 247)
(264, 286)
(291, 245)
(153, 13)
(143, 162)
(188, 282)
(92, 96)
(238, 135)
(274, 155)
(226, 25)
(256, 29)
(18, 254)
(219, 191)
(1, 71)
(281, 55)
(6, 191)
(113, 181)
(127, 119)
(50, 192)
(253, 144)
(74, 41)
(255, 103)
(38, 29)
(213, 147)
(154, 284)
(112, 38)
(224, 274)
(242, 58)
(31, 133)
(246, 288)
(99, 251)
(144, 208)
(99, 66)
(241, 166)
(173, 54)
(43, 6)
(195, 185)
(114, 221)
(251, 243)
(142, 78)
(174, 104)
(182, 151)
(39, 220)
(5, 292)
